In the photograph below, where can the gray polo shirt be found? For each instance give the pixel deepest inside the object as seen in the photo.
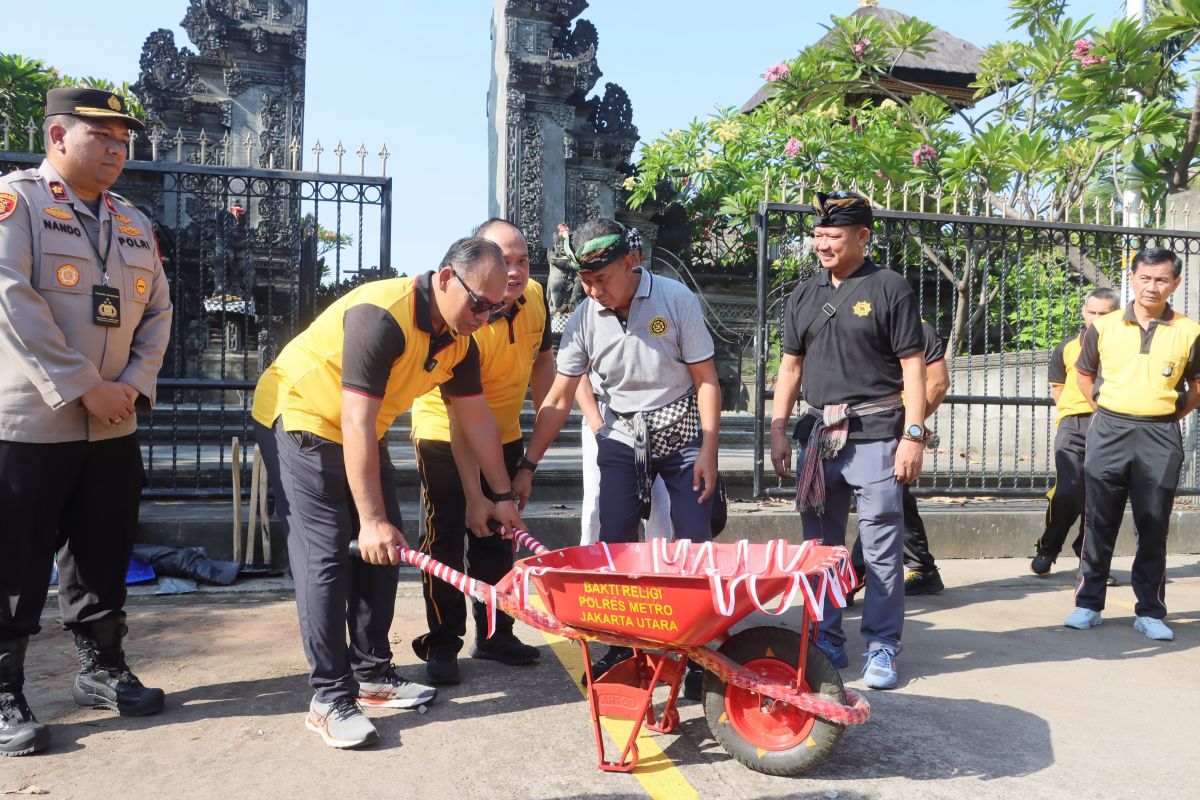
(638, 364)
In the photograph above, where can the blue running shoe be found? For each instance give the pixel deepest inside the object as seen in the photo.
(836, 653)
(1154, 629)
(1083, 618)
(880, 669)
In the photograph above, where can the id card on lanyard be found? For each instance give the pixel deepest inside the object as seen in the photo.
(106, 301)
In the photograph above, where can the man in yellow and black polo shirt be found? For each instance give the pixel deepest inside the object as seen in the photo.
(321, 412)
(1074, 415)
(514, 355)
(1141, 368)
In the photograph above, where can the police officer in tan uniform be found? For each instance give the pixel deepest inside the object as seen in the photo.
(84, 320)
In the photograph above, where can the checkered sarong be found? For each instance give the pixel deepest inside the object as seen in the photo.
(659, 433)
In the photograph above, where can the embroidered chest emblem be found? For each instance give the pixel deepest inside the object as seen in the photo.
(862, 308)
(129, 230)
(140, 286)
(67, 275)
(57, 212)
(658, 326)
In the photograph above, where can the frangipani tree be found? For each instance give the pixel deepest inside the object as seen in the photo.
(1072, 113)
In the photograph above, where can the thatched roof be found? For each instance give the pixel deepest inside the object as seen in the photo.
(948, 69)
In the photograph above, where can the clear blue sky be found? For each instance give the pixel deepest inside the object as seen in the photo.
(415, 75)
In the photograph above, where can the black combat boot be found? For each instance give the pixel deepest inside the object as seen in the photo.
(20, 732)
(104, 680)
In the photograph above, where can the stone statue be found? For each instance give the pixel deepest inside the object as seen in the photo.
(564, 290)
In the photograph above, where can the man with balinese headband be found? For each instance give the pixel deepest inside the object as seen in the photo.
(643, 338)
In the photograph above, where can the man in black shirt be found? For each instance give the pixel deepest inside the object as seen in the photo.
(858, 330)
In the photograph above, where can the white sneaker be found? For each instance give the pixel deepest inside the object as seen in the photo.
(1083, 618)
(1154, 629)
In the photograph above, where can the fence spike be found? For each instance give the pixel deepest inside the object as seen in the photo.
(179, 140)
(954, 201)
(766, 186)
(203, 141)
(803, 186)
(383, 157)
(1187, 215)
(155, 138)
(6, 126)
(132, 139)
(249, 145)
(361, 152)
(30, 129)
(887, 196)
(317, 150)
(227, 149)
(339, 151)
(294, 150)
(1096, 213)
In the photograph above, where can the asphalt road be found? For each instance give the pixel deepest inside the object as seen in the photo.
(997, 700)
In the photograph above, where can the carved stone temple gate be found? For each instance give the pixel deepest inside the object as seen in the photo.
(556, 156)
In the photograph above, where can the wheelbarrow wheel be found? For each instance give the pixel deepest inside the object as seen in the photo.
(770, 737)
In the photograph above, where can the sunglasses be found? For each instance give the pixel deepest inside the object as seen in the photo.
(478, 304)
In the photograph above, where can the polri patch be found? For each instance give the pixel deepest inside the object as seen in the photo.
(57, 212)
(8, 204)
(59, 192)
(658, 326)
(139, 286)
(129, 230)
(862, 308)
(121, 218)
(67, 275)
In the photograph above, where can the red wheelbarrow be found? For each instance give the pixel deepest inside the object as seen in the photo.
(771, 698)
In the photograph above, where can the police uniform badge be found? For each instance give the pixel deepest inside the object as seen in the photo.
(58, 191)
(8, 204)
(67, 275)
(139, 286)
(57, 213)
(114, 104)
(862, 308)
(129, 230)
(658, 326)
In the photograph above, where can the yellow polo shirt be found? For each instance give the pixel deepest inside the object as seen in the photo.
(507, 349)
(1141, 373)
(1061, 370)
(377, 340)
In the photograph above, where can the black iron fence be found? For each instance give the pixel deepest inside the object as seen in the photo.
(1002, 293)
(252, 256)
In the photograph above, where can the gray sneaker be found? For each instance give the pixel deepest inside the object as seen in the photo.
(340, 724)
(393, 690)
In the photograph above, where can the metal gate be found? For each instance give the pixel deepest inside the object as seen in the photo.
(252, 256)
(1003, 293)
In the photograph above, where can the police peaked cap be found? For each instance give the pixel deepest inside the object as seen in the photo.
(842, 208)
(90, 104)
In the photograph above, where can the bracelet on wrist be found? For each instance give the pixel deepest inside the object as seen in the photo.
(525, 463)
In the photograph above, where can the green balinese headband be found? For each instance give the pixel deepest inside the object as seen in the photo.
(598, 252)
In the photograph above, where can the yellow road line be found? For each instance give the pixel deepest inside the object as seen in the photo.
(655, 770)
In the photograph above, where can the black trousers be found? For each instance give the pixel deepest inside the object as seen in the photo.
(916, 541)
(77, 498)
(334, 591)
(1140, 461)
(447, 539)
(1068, 494)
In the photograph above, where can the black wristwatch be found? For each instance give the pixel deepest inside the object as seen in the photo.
(915, 432)
(525, 463)
(501, 497)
